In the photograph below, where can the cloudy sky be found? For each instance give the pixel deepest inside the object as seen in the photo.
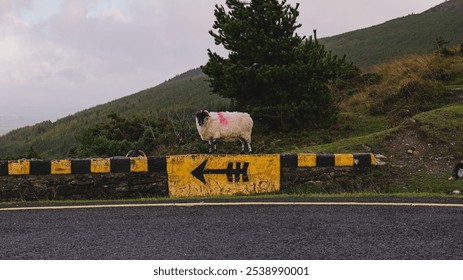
(58, 57)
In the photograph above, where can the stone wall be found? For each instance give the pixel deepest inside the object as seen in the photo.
(329, 179)
(142, 177)
(82, 187)
(143, 185)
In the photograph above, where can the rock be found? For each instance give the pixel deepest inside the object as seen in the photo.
(380, 159)
(456, 192)
(410, 122)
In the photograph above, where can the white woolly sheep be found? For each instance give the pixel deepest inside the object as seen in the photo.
(224, 126)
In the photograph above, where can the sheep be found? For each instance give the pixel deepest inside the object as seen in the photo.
(135, 153)
(457, 172)
(224, 126)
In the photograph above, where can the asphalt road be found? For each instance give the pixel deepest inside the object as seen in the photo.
(311, 232)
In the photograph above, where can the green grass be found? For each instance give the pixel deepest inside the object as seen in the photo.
(189, 92)
(444, 125)
(269, 197)
(176, 98)
(413, 34)
(353, 144)
(357, 124)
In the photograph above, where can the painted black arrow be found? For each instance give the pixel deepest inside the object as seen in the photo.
(233, 174)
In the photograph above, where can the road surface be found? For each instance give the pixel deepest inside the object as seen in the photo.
(309, 229)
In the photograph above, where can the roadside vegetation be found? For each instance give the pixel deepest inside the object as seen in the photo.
(408, 109)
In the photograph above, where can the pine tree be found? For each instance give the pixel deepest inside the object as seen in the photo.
(271, 71)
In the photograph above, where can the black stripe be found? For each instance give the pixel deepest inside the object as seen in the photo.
(364, 160)
(288, 161)
(40, 167)
(80, 166)
(325, 160)
(157, 164)
(120, 165)
(3, 168)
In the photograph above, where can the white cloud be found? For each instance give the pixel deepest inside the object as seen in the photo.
(116, 15)
(10, 20)
(14, 5)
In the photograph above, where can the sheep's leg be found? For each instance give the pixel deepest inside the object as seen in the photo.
(210, 147)
(243, 144)
(249, 147)
(213, 147)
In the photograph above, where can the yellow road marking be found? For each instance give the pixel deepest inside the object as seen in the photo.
(20, 167)
(138, 164)
(307, 160)
(206, 175)
(60, 167)
(100, 165)
(344, 160)
(198, 204)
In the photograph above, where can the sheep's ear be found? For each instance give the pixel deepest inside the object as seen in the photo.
(202, 113)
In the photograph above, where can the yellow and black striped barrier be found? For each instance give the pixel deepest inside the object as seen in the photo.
(196, 175)
(329, 160)
(83, 166)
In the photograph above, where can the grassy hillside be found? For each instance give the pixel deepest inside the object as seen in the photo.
(413, 34)
(420, 154)
(377, 103)
(421, 101)
(180, 96)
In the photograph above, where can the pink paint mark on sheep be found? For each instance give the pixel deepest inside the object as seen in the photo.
(223, 120)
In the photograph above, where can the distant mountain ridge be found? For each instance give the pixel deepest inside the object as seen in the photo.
(452, 5)
(412, 34)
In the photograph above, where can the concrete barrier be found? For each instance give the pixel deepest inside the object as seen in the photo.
(195, 175)
(212, 175)
(83, 166)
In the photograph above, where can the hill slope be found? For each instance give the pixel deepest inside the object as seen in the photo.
(453, 5)
(189, 92)
(182, 95)
(413, 34)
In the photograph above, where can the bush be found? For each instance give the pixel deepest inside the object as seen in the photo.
(117, 135)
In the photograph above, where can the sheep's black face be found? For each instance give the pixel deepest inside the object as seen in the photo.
(201, 116)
